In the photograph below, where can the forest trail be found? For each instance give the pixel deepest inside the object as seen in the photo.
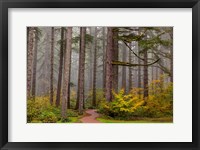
(90, 117)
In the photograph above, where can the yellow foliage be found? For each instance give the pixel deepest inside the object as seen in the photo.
(126, 106)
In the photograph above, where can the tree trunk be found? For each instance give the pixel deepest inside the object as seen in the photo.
(109, 69)
(35, 65)
(115, 58)
(171, 60)
(130, 73)
(68, 102)
(124, 69)
(146, 89)
(152, 75)
(60, 69)
(90, 62)
(171, 66)
(94, 69)
(47, 63)
(31, 38)
(139, 75)
(80, 93)
(52, 64)
(66, 83)
(104, 61)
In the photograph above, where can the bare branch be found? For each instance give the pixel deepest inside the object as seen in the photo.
(132, 50)
(132, 65)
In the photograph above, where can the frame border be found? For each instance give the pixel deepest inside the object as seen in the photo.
(6, 4)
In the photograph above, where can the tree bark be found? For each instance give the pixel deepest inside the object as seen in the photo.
(30, 48)
(130, 72)
(52, 64)
(171, 66)
(68, 102)
(115, 58)
(60, 69)
(90, 59)
(171, 60)
(104, 61)
(35, 65)
(47, 63)
(94, 69)
(124, 69)
(109, 69)
(66, 83)
(80, 93)
(139, 74)
(146, 89)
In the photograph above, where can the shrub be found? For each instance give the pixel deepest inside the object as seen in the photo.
(132, 105)
(48, 117)
(72, 113)
(40, 110)
(122, 107)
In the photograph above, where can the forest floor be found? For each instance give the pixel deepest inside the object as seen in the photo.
(90, 116)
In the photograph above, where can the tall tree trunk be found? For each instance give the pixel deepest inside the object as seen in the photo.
(152, 75)
(139, 67)
(52, 64)
(66, 83)
(146, 88)
(30, 48)
(104, 60)
(139, 74)
(94, 69)
(35, 65)
(47, 63)
(171, 65)
(109, 69)
(130, 72)
(80, 93)
(90, 63)
(68, 102)
(171, 60)
(60, 69)
(115, 58)
(124, 69)
(161, 77)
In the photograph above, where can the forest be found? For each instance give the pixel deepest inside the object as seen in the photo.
(99, 74)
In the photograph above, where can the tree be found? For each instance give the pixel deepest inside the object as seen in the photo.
(94, 69)
(171, 52)
(115, 58)
(52, 64)
(46, 62)
(35, 64)
(91, 47)
(30, 49)
(124, 55)
(66, 83)
(80, 93)
(68, 101)
(104, 59)
(130, 71)
(109, 69)
(145, 79)
(60, 68)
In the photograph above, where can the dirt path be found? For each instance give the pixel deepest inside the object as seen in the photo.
(90, 117)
